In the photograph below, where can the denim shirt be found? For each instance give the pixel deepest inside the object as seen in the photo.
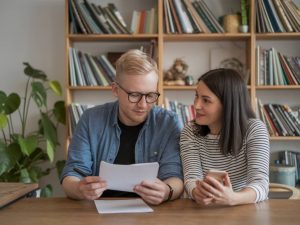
(97, 138)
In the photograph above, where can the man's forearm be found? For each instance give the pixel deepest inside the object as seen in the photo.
(70, 185)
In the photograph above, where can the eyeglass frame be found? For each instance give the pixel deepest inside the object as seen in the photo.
(139, 93)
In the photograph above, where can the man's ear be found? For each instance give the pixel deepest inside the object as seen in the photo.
(114, 89)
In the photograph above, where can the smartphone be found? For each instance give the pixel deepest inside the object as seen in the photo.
(217, 174)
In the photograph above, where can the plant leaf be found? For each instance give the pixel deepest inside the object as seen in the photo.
(34, 73)
(24, 176)
(39, 93)
(60, 164)
(11, 103)
(50, 150)
(56, 88)
(4, 158)
(46, 191)
(28, 144)
(59, 111)
(15, 154)
(2, 101)
(3, 121)
(49, 129)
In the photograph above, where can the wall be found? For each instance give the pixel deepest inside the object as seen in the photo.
(32, 31)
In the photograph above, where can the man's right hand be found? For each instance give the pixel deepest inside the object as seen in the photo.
(92, 187)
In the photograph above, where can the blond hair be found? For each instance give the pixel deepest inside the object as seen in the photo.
(135, 62)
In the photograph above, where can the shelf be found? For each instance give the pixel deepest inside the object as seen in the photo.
(277, 36)
(278, 87)
(207, 37)
(285, 138)
(92, 88)
(174, 87)
(111, 37)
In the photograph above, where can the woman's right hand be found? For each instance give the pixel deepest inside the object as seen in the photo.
(200, 195)
(92, 187)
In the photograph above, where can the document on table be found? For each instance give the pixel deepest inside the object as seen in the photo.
(122, 206)
(125, 177)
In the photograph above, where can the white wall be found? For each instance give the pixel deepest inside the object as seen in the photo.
(32, 31)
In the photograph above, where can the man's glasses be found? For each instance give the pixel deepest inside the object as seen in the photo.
(135, 97)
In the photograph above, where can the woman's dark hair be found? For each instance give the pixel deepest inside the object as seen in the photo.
(230, 88)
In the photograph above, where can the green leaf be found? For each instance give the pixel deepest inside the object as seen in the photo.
(46, 191)
(34, 73)
(15, 153)
(59, 111)
(10, 104)
(28, 144)
(4, 158)
(49, 129)
(3, 121)
(39, 93)
(50, 150)
(55, 87)
(24, 176)
(2, 101)
(60, 164)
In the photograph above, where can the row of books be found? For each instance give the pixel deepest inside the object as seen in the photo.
(185, 113)
(89, 70)
(274, 68)
(279, 119)
(185, 16)
(144, 22)
(89, 18)
(75, 112)
(291, 158)
(277, 16)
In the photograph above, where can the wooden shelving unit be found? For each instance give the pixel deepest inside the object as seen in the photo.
(250, 39)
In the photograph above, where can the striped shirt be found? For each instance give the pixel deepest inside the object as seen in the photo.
(250, 168)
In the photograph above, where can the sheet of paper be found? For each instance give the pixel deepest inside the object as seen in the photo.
(122, 206)
(125, 177)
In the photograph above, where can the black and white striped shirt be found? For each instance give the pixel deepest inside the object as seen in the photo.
(250, 168)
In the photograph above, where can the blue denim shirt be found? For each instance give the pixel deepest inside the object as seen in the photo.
(97, 138)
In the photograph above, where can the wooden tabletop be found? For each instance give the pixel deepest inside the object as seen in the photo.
(10, 192)
(50, 211)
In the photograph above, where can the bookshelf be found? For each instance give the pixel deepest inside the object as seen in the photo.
(194, 48)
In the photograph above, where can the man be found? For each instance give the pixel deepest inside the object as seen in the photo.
(130, 130)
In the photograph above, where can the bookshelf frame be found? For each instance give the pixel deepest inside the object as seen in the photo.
(161, 38)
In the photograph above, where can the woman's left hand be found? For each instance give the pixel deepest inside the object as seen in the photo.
(222, 194)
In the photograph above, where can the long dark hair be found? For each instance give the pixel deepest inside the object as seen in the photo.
(230, 88)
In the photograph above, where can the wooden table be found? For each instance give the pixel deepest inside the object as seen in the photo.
(10, 192)
(52, 211)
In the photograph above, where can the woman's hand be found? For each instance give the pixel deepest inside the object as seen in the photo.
(212, 191)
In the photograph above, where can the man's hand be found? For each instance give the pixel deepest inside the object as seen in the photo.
(92, 187)
(153, 192)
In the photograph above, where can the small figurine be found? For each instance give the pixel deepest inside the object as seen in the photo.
(176, 74)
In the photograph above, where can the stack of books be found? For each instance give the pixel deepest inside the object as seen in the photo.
(184, 16)
(75, 112)
(185, 113)
(89, 18)
(277, 16)
(279, 119)
(88, 70)
(291, 158)
(274, 68)
(144, 22)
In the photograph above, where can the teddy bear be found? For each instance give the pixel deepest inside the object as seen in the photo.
(176, 74)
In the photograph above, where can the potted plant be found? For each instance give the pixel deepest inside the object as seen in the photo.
(244, 17)
(23, 152)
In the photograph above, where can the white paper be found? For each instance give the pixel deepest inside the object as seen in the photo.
(125, 177)
(122, 206)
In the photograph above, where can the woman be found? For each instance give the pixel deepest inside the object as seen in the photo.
(225, 136)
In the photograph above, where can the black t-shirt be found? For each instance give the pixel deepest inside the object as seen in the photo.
(126, 154)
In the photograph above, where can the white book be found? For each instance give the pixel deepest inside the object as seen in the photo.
(183, 18)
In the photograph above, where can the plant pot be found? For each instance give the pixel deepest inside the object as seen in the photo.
(244, 28)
